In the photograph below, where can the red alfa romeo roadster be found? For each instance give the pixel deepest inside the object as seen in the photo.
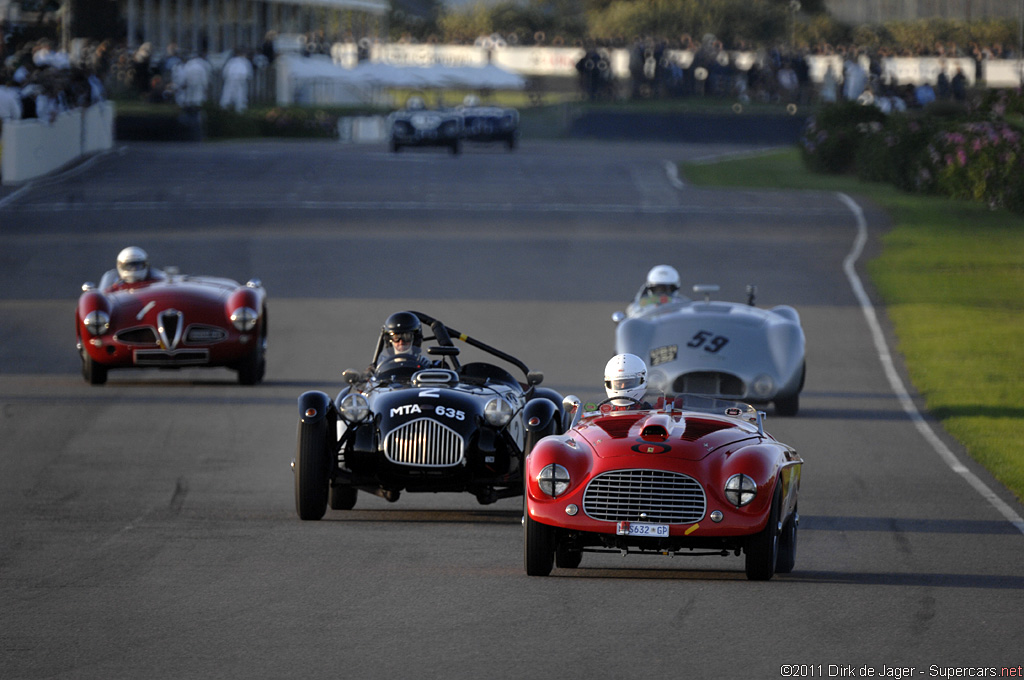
(170, 320)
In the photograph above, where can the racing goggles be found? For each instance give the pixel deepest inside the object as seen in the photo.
(624, 383)
(136, 266)
(405, 337)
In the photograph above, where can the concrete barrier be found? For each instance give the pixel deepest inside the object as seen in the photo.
(32, 148)
(362, 129)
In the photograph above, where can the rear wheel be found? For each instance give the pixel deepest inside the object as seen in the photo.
(538, 547)
(311, 473)
(566, 558)
(343, 497)
(763, 548)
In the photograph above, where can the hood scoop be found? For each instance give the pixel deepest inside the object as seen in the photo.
(697, 428)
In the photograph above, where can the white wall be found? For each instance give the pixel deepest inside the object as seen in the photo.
(32, 148)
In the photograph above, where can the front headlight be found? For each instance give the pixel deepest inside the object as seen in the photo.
(763, 386)
(354, 408)
(740, 490)
(497, 412)
(553, 480)
(97, 322)
(244, 318)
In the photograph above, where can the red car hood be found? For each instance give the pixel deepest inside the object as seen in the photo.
(202, 297)
(689, 438)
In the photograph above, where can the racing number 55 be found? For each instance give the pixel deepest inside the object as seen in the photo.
(708, 340)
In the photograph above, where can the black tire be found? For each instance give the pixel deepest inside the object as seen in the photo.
(538, 547)
(763, 548)
(456, 147)
(93, 372)
(567, 559)
(787, 546)
(395, 146)
(788, 406)
(311, 471)
(343, 497)
(253, 367)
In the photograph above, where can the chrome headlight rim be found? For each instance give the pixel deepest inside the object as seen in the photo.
(97, 322)
(763, 386)
(740, 490)
(553, 480)
(354, 408)
(244, 318)
(497, 412)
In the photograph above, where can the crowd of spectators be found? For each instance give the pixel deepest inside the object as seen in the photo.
(39, 81)
(685, 67)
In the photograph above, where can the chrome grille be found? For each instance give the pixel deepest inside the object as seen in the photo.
(664, 497)
(424, 443)
(709, 382)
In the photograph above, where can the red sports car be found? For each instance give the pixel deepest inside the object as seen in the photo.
(171, 320)
(690, 476)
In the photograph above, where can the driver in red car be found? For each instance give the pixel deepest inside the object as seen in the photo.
(132, 267)
(625, 382)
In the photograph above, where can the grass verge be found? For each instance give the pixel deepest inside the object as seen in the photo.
(951, 275)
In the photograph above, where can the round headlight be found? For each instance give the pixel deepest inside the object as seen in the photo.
(244, 318)
(497, 412)
(97, 322)
(740, 490)
(553, 480)
(763, 386)
(354, 408)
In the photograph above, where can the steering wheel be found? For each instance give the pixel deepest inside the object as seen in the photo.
(632, 402)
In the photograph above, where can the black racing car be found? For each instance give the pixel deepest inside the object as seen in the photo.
(422, 423)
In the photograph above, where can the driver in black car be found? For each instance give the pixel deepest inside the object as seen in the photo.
(403, 335)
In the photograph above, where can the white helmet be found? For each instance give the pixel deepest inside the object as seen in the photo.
(663, 275)
(133, 264)
(471, 100)
(625, 377)
(415, 104)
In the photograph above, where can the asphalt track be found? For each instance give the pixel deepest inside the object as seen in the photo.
(147, 527)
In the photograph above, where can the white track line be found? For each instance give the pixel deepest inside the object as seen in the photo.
(896, 383)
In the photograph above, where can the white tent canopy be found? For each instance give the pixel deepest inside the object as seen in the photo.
(318, 80)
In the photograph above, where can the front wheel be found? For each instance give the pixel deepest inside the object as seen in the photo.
(94, 373)
(254, 366)
(763, 548)
(787, 545)
(311, 472)
(538, 547)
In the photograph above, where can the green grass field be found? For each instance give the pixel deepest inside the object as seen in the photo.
(952, 277)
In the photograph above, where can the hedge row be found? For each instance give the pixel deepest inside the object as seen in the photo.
(973, 152)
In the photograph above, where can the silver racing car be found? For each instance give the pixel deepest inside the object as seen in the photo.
(723, 349)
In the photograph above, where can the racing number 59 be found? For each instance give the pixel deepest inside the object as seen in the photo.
(708, 340)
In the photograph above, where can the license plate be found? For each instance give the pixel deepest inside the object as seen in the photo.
(642, 529)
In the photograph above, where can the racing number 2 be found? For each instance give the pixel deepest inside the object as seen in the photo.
(708, 340)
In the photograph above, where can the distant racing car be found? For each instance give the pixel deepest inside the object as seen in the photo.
(420, 425)
(168, 320)
(416, 125)
(489, 123)
(724, 349)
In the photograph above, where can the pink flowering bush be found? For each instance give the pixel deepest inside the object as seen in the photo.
(980, 161)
